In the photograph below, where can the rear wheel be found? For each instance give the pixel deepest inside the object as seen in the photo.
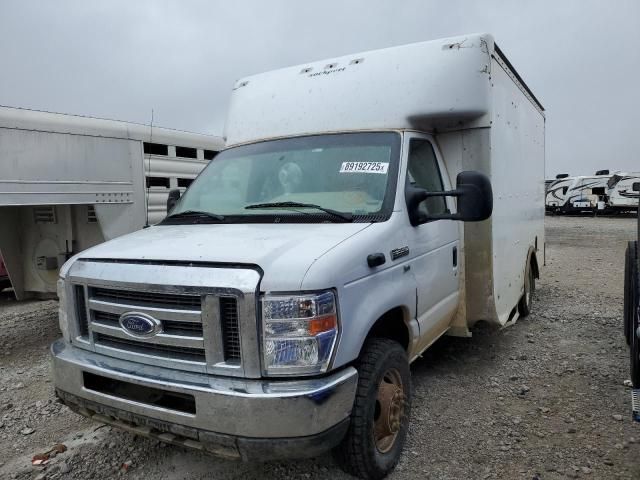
(526, 302)
(380, 416)
(634, 321)
(629, 257)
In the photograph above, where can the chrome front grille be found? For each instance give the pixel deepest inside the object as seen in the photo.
(230, 329)
(154, 299)
(181, 343)
(196, 355)
(204, 315)
(170, 327)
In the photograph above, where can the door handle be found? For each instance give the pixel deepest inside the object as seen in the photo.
(455, 256)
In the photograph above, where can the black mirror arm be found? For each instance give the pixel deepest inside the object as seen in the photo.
(458, 192)
(417, 195)
(450, 193)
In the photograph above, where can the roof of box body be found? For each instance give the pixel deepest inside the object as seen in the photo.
(25, 119)
(440, 84)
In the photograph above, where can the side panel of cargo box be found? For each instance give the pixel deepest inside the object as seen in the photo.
(511, 152)
(517, 175)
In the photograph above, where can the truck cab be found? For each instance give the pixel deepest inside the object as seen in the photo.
(275, 311)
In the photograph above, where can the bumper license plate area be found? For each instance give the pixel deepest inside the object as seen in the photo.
(156, 397)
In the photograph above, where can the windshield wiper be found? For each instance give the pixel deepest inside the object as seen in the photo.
(346, 217)
(195, 213)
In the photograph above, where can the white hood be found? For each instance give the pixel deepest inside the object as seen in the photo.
(283, 251)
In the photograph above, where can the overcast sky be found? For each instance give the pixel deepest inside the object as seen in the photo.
(120, 59)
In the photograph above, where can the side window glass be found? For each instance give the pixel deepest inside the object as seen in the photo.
(423, 172)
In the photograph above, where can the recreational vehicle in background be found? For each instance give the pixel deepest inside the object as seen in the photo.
(555, 192)
(70, 182)
(621, 196)
(582, 194)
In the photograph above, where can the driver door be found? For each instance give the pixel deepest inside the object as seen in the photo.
(434, 245)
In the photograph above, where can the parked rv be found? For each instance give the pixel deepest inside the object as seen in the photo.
(556, 192)
(275, 311)
(620, 194)
(632, 314)
(574, 195)
(549, 181)
(69, 182)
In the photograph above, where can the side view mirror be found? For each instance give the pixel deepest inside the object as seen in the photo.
(475, 200)
(172, 199)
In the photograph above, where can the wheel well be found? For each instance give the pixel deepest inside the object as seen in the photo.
(391, 325)
(534, 265)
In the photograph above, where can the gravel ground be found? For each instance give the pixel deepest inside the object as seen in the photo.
(543, 399)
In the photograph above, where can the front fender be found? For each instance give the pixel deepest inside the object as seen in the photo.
(364, 301)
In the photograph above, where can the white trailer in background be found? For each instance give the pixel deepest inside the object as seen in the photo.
(70, 182)
(583, 194)
(620, 194)
(555, 192)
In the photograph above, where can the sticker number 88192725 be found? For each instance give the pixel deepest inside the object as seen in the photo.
(364, 167)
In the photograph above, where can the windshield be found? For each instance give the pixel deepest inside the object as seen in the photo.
(333, 177)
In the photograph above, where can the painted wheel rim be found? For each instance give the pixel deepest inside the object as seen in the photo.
(389, 411)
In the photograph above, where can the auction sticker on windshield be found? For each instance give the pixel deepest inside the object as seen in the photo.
(364, 167)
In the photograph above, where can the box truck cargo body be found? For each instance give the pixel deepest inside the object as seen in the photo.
(349, 223)
(69, 182)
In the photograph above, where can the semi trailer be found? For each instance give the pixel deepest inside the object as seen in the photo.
(69, 182)
(364, 206)
(632, 313)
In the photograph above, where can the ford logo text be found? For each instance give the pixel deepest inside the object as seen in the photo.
(140, 324)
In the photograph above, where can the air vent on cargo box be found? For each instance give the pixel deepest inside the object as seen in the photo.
(91, 214)
(45, 214)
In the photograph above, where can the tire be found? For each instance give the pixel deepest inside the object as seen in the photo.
(525, 304)
(373, 444)
(629, 257)
(634, 300)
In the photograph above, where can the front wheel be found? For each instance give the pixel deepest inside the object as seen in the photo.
(380, 416)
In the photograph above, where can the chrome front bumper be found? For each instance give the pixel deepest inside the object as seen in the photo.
(233, 417)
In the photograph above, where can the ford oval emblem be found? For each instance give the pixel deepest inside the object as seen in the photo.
(140, 324)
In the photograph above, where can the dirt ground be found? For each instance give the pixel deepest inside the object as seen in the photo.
(543, 399)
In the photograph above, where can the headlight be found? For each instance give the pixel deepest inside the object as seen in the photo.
(299, 332)
(63, 319)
